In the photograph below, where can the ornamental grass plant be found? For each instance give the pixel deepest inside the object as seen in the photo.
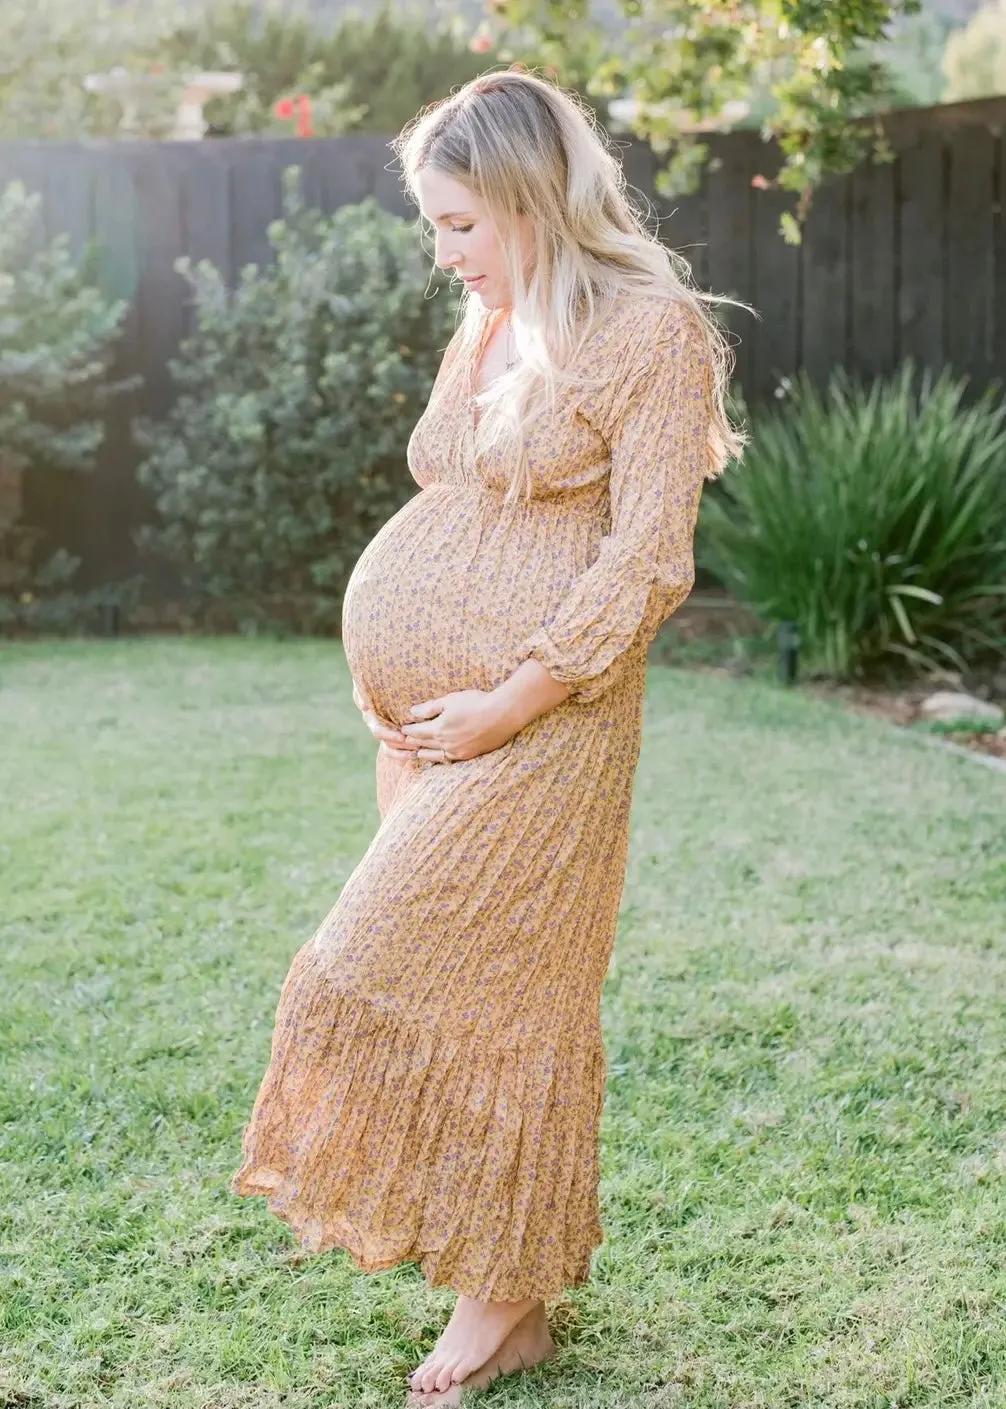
(875, 517)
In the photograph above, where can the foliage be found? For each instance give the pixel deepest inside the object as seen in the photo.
(57, 344)
(875, 518)
(685, 62)
(913, 53)
(297, 392)
(974, 61)
(71, 612)
(47, 49)
(955, 726)
(365, 74)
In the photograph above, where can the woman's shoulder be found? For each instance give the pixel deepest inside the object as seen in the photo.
(642, 335)
(633, 324)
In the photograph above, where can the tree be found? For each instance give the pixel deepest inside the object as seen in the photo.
(974, 61)
(685, 63)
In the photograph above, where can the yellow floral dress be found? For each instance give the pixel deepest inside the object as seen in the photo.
(437, 1072)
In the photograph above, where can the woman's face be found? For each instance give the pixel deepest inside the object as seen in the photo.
(467, 239)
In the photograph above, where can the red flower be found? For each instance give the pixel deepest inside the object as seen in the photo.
(759, 182)
(300, 106)
(304, 127)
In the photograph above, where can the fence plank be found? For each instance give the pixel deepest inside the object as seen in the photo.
(920, 249)
(68, 197)
(776, 292)
(873, 349)
(206, 193)
(256, 198)
(969, 253)
(116, 226)
(157, 177)
(825, 275)
(730, 233)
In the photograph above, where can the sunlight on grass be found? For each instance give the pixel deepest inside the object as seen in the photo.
(804, 1142)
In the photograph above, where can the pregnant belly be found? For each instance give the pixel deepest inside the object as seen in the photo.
(443, 596)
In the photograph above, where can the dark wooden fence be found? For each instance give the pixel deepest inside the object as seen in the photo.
(902, 259)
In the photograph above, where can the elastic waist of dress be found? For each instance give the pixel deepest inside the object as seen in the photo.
(569, 502)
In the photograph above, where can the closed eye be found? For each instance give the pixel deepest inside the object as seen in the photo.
(461, 229)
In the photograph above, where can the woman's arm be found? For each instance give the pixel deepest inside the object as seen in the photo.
(657, 428)
(528, 692)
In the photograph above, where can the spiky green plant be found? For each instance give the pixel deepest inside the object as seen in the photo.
(873, 516)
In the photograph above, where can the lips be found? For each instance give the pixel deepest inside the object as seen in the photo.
(477, 279)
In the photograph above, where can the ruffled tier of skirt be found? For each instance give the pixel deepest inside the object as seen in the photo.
(402, 1140)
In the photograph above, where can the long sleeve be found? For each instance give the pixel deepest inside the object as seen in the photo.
(656, 427)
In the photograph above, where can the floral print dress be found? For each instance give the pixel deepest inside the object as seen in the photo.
(437, 1071)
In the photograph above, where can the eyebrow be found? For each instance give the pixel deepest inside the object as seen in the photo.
(454, 215)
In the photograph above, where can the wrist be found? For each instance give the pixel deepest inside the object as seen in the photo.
(530, 691)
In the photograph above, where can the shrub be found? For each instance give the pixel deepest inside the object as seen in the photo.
(875, 518)
(57, 342)
(298, 390)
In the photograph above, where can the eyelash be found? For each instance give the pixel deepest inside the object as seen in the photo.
(461, 229)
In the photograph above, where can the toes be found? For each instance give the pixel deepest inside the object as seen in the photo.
(417, 1377)
(441, 1399)
(462, 1369)
(446, 1377)
(428, 1379)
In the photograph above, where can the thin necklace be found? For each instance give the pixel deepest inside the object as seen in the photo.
(510, 364)
(510, 361)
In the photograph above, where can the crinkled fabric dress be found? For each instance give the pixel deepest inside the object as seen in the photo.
(437, 1072)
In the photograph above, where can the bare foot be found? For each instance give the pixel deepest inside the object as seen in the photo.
(528, 1344)
(475, 1331)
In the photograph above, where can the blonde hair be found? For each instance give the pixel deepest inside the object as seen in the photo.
(526, 146)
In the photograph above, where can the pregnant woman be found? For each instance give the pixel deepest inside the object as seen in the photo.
(437, 1072)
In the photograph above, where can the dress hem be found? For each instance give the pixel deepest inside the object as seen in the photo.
(246, 1186)
(399, 1141)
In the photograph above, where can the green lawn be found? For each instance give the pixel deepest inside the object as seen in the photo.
(804, 1143)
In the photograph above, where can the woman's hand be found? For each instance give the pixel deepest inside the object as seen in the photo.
(390, 738)
(464, 724)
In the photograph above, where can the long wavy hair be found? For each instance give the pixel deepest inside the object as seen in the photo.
(524, 145)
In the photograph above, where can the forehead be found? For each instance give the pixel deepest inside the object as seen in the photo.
(441, 195)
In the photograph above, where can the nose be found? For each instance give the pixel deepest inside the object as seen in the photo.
(445, 261)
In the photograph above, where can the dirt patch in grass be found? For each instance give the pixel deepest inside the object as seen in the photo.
(901, 705)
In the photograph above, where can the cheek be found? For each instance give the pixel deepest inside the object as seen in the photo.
(490, 255)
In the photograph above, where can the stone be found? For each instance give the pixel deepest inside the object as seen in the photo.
(949, 705)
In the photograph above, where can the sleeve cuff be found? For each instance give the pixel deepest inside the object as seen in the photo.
(542, 648)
